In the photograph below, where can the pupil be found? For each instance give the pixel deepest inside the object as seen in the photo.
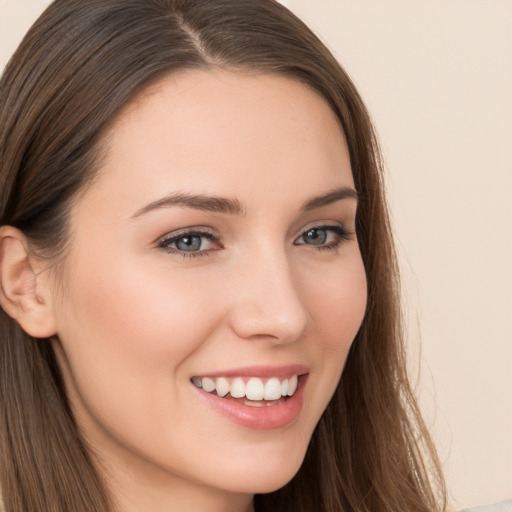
(189, 243)
(316, 236)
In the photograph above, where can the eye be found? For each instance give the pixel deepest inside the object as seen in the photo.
(324, 237)
(315, 236)
(190, 243)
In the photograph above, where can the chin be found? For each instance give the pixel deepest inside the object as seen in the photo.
(268, 485)
(268, 476)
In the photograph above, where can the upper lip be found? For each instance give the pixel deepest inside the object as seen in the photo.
(262, 371)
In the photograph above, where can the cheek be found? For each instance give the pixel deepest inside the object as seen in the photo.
(140, 313)
(337, 302)
(130, 330)
(127, 334)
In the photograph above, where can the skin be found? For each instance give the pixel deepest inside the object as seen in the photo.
(135, 320)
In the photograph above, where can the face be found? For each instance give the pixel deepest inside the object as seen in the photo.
(213, 271)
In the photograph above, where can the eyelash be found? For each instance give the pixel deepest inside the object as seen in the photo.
(342, 234)
(167, 241)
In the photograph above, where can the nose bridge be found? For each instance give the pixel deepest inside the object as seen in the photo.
(269, 302)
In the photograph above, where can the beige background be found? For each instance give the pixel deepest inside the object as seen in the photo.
(437, 77)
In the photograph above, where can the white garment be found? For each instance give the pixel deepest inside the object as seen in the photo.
(502, 506)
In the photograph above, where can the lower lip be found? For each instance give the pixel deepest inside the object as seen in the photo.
(258, 418)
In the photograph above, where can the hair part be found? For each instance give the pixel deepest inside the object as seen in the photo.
(77, 67)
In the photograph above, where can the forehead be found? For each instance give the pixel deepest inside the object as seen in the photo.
(205, 131)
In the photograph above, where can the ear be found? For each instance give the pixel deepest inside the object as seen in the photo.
(25, 292)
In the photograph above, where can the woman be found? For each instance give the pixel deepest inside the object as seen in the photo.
(199, 288)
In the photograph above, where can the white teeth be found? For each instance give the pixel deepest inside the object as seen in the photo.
(273, 389)
(292, 385)
(255, 389)
(237, 388)
(284, 387)
(208, 384)
(222, 386)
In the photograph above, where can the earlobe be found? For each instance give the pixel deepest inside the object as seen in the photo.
(23, 291)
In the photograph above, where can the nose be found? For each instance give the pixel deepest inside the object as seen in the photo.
(268, 302)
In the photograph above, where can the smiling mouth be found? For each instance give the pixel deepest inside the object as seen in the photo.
(253, 391)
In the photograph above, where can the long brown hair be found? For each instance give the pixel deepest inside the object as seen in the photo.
(79, 64)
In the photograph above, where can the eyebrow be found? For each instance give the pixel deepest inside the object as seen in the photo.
(196, 201)
(331, 197)
(225, 205)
